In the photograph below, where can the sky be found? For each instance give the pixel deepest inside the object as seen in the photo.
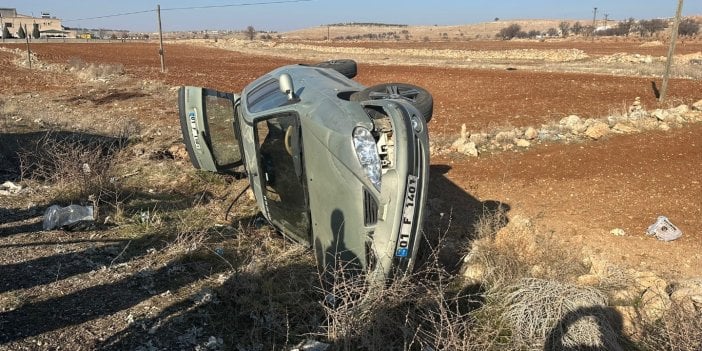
(303, 14)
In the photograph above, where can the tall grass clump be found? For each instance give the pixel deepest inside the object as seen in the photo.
(78, 168)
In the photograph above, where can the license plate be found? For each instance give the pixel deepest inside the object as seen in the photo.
(405, 236)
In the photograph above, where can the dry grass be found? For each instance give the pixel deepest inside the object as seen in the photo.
(557, 315)
(94, 71)
(680, 329)
(75, 164)
(420, 311)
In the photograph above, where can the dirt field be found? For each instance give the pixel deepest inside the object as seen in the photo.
(577, 191)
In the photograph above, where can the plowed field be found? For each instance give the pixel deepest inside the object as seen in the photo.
(580, 191)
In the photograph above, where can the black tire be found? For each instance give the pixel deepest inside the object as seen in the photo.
(418, 97)
(346, 67)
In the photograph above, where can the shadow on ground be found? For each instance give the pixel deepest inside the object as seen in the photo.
(454, 215)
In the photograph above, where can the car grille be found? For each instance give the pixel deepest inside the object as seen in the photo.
(370, 209)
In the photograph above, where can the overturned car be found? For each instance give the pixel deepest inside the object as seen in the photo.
(334, 165)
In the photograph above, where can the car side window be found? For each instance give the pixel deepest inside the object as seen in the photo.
(265, 97)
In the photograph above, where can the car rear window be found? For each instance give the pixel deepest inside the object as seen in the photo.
(265, 97)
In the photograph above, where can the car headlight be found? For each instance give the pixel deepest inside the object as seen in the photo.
(367, 153)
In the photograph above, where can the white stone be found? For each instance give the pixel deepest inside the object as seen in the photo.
(468, 149)
(505, 136)
(458, 143)
(680, 109)
(664, 127)
(654, 304)
(531, 133)
(522, 143)
(617, 232)
(624, 128)
(597, 130)
(660, 115)
(478, 139)
(589, 280)
(464, 133)
(697, 105)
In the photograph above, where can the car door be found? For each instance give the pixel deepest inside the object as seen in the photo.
(210, 129)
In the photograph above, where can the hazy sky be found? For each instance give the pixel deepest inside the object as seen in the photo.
(289, 16)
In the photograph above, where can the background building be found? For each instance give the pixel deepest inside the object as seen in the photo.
(48, 26)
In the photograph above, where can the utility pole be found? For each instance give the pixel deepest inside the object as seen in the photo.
(671, 51)
(606, 16)
(160, 38)
(328, 33)
(29, 53)
(594, 23)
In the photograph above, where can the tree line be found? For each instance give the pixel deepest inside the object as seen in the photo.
(21, 34)
(644, 28)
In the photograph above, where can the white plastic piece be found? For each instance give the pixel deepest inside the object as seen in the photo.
(664, 230)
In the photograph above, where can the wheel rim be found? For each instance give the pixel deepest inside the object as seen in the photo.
(396, 92)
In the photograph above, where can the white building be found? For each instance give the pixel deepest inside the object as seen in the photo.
(48, 26)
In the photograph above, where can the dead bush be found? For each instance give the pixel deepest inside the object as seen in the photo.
(419, 311)
(94, 71)
(520, 250)
(557, 315)
(679, 329)
(78, 164)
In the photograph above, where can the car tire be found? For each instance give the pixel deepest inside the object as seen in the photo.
(420, 98)
(346, 67)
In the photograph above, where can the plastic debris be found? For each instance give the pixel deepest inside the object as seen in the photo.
(73, 217)
(664, 230)
(617, 232)
(311, 345)
(9, 188)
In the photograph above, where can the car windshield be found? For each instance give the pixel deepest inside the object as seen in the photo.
(284, 187)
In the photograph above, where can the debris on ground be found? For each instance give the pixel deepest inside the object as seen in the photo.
(617, 232)
(10, 188)
(311, 345)
(664, 229)
(73, 217)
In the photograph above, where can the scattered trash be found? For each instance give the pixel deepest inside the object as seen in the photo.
(214, 343)
(9, 188)
(664, 230)
(73, 217)
(617, 232)
(311, 345)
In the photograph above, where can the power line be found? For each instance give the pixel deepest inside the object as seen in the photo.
(108, 16)
(235, 5)
(189, 8)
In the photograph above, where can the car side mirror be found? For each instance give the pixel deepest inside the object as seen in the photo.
(286, 86)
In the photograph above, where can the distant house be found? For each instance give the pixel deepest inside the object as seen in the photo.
(48, 26)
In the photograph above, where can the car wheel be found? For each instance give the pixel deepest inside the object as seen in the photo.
(418, 97)
(346, 67)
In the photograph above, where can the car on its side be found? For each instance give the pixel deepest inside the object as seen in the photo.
(332, 164)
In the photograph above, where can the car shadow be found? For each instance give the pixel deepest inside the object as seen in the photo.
(455, 218)
(244, 312)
